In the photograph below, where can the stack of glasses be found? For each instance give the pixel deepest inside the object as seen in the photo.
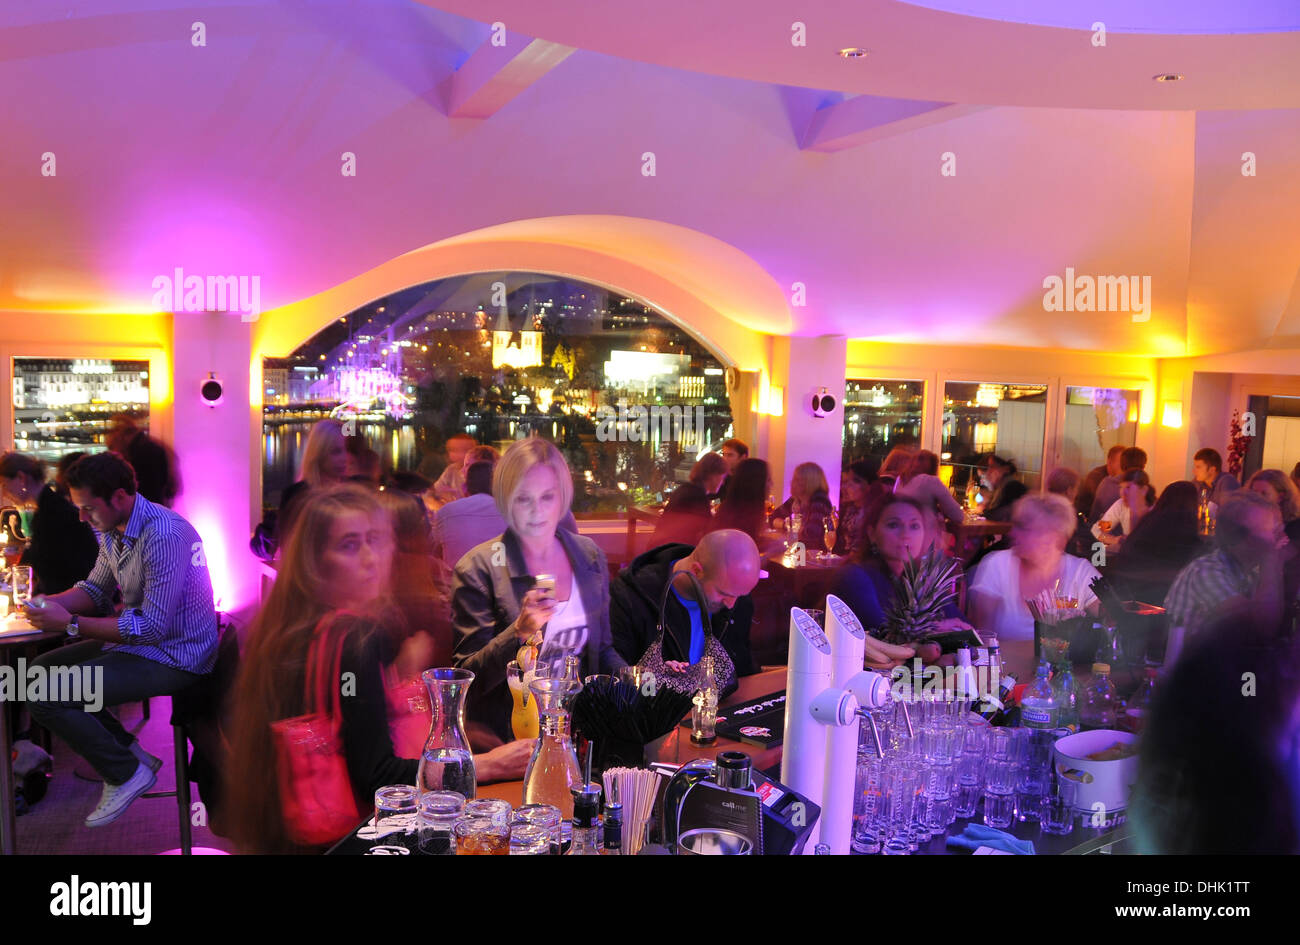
(908, 787)
(934, 761)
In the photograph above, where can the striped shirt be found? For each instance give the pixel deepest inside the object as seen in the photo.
(1202, 587)
(167, 610)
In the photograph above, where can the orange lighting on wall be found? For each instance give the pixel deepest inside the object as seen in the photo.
(776, 401)
(1172, 414)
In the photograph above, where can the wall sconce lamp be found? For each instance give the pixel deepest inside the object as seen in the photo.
(1171, 414)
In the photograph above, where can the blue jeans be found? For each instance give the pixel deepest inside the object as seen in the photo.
(98, 736)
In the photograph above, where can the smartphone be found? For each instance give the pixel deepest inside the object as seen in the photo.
(546, 584)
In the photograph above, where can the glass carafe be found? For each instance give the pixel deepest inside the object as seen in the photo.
(447, 764)
(553, 770)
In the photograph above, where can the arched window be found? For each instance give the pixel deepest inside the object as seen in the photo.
(628, 396)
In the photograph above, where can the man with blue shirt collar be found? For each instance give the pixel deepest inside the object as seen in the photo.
(726, 565)
(164, 638)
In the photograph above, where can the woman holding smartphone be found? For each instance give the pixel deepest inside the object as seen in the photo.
(535, 584)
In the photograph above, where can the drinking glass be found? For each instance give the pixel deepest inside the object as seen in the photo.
(999, 809)
(439, 811)
(523, 713)
(529, 840)
(21, 579)
(494, 809)
(967, 798)
(831, 527)
(392, 802)
(1000, 776)
(481, 836)
(546, 817)
(1056, 810)
(796, 525)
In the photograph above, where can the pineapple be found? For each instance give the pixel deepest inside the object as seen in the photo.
(926, 585)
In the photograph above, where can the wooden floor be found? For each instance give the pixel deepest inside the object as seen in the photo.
(55, 825)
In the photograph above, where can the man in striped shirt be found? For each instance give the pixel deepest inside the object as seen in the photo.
(1243, 577)
(162, 640)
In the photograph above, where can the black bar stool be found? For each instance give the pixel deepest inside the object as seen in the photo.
(199, 703)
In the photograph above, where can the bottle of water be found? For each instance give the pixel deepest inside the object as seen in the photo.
(1038, 708)
(1066, 692)
(1098, 709)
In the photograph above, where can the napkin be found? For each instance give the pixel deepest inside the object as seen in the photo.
(978, 835)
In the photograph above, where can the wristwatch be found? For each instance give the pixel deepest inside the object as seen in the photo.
(74, 631)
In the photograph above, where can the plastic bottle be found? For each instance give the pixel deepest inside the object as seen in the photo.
(1140, 704)
(1038, 707)
(1066, 692)
(1098, 708)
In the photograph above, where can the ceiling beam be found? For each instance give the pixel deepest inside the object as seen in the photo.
(866, 118)
(493, 75)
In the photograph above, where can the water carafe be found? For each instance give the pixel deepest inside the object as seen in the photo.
(553, 770)
(447, 764)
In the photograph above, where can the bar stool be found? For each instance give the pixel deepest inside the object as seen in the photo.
(197, 703)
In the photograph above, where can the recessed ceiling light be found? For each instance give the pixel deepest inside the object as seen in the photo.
(852, 52)
(1168, 77)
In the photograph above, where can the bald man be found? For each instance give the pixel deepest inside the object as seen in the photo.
(726, 564)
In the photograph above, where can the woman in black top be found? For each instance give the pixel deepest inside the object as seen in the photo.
(689, 511)
(335, 578)
(63, 548)
(1006, 489)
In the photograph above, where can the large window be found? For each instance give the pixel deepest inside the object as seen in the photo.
(879, 415)
(1096, 418)
(1004, 419)
(499, 356)
(63, 405)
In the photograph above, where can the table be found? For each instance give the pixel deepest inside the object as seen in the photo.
(807, 583)
(970, 536)
(676, 747)
(10, 645)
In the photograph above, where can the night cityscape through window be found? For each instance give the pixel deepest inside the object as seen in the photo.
(500, 356)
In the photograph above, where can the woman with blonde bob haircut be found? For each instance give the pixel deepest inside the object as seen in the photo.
(333, 585)
(498, 603)
(1041, 527)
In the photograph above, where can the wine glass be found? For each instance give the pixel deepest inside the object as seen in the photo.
(831, 527)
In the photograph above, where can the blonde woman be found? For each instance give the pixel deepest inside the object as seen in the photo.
(324, 463)
(497, 602)
(810, 498)
(1041, 527)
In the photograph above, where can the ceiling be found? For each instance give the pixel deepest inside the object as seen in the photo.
(225, 157)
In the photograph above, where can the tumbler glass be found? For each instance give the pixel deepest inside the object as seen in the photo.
(21, 579)
(1056, 810)
(546, 817)
(495, 809)
(439, 811)
(999, 809)
(529, 840)
(392, 802)
(482, 836)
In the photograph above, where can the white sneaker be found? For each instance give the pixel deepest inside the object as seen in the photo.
(118, 797)
(153, 761)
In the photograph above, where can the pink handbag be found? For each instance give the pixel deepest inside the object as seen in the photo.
(410, 716)
(316, 797)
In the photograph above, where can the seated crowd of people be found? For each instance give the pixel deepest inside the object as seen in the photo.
(407, 573)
